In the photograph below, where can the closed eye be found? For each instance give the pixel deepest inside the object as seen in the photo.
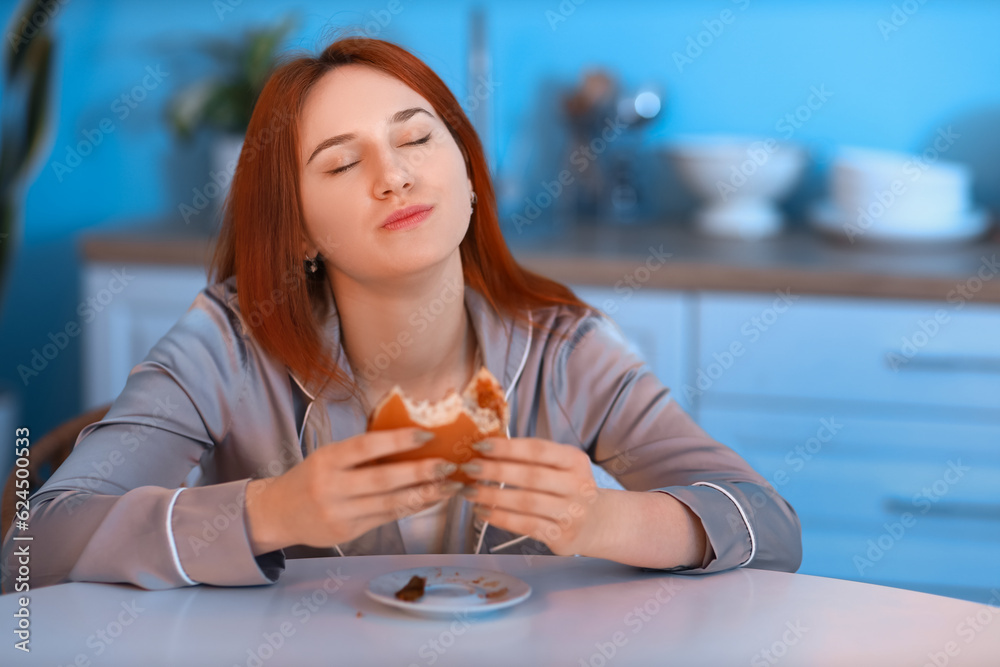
(418, 142)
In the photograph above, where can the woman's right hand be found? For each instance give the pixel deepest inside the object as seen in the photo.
(326, 499)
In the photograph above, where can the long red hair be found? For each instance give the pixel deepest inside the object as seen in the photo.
(262, 223)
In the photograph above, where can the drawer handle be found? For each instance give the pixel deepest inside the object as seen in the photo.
(946, 509)
(942, 362)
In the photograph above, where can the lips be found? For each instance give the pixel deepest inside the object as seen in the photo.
(406, 212)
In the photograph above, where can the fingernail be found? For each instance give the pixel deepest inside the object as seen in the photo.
(471, 468)
(469, 491)
(451, 487)
(481, 511)
(482, 446)
(420, 437)
(444, 469)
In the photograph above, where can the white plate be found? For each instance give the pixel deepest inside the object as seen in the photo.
(827, 217)
(451, 590)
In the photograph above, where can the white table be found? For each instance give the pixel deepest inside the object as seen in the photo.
(582, 611)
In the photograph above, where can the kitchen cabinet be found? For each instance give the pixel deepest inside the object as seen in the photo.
(876, 419)
(910, 503)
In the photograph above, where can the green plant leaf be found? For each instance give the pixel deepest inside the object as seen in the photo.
(19, 51)
(38, 100)
(229, 107)
(226, 102)
(261, 53)
(186, 112)
(25, 111)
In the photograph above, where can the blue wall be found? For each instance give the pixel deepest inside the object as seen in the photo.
(893, 91)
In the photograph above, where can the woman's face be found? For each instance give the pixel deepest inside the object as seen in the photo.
(348, 189)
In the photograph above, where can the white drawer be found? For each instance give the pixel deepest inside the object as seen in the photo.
(863, 494)
(876, 351)
(843, 470)
(913, 504)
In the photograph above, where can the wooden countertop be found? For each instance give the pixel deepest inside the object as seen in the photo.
(801, 261)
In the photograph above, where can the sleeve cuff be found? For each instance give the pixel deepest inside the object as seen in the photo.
(208, 536)
(743, 515)
(173, 542)
(726, 525)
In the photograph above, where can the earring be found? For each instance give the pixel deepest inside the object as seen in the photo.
(474, 199)
(311, 264)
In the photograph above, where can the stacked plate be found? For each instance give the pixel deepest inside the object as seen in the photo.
(881, 195)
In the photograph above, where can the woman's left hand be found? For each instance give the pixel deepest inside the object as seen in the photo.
(549, 493)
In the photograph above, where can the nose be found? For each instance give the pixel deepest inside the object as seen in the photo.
(395, 174)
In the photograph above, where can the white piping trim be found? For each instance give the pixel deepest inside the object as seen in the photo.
(305, 417)
(510, 390)
(304, 390)
(508, 543)
(173, 544)
(753, 540)
(524, 360)
(305, 420)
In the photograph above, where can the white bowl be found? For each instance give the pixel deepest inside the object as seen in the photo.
(752, 166)
(739, 178)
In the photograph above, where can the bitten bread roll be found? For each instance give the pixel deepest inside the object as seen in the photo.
(457, 421)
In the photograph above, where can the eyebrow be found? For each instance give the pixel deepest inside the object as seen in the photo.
(394, 119)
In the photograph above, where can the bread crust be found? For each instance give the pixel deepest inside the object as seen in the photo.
(457, 421)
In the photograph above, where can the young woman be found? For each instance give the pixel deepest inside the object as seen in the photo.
(360, 250)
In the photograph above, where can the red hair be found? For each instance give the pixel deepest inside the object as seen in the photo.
(263, 226)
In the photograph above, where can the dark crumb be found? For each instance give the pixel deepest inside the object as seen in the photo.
(359, 614)
(413, 590)
(498, 593)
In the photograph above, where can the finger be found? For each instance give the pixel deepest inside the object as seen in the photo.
(422, 497)
(378, 479)
(372, 445)
(536, 450)
(535, 527)
(527, 476)
(396, 505)
(522, 501)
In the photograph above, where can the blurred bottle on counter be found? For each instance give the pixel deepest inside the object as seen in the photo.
(605, 127)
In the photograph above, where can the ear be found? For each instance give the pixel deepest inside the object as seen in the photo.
(306, 247)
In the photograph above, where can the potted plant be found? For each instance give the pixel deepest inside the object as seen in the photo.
(25, 140)
(224, 102)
